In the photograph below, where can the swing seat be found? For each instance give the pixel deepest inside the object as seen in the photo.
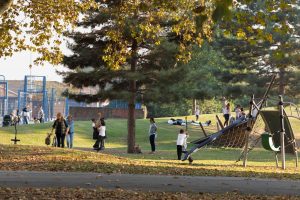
(267, 142)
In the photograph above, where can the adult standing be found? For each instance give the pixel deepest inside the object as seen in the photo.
(152, 134)
(70, 131)
(60, 125)
(26, 114)
(226, 113)
(41, 115)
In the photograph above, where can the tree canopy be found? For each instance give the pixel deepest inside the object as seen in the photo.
(37, 26)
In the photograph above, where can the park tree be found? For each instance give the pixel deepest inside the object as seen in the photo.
(37, 26)
(263, 39)
(124, 50)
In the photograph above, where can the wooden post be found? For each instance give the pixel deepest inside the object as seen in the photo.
(186, 127)
(282, 132)
(15, 140)
(296, 154)
(248, 132)
(203, 129)
(276, 158)
(219, 121)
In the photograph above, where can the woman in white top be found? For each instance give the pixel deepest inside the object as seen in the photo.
(226, 113)
(152, 134)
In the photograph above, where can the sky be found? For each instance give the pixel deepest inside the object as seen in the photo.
(17, 66)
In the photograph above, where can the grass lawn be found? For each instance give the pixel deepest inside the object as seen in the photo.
(208, 161)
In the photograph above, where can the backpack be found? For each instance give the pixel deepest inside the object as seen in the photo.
(47, 140)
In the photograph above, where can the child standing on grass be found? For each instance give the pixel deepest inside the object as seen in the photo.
(95, 130)
(182, 144)
(70, 131)
(152, 134)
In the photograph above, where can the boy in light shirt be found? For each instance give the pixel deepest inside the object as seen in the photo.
(182, 144)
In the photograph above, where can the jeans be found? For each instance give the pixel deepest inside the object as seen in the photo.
(70, 138)
(152, 142)
(25, 120)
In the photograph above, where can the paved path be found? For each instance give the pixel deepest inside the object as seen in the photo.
(150, 182)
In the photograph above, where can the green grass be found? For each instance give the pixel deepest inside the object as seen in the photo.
(166, 142)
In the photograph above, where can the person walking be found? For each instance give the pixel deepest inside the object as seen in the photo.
(152, 134)
(197, 113)
(70, 131)
(60, 126)
(41, 115)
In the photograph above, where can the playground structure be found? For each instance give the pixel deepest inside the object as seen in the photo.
(3, 96)
(35, 95)
(35, 91)
(278, 136)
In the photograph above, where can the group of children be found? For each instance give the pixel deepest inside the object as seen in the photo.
(239, 111)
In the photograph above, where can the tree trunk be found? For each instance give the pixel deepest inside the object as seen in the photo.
(131, 102)
(194, 106)
(281, 81)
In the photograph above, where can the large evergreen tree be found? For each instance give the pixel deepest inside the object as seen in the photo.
(263, 38)
(127, 48)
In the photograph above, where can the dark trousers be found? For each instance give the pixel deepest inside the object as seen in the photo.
(41, 120)
(180, 151)
(226, 116)
(60, 138)
(152, 142)
(99, 144)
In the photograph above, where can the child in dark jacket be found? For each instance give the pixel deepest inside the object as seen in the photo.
(95, 130)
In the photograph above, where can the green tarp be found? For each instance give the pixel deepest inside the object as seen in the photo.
(272, 122)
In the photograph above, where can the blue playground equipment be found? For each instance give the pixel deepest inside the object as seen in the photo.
(35, 94)
(3, 96)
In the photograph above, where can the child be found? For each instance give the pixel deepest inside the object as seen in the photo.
(99, 144)
(95, 130)
(182, 144)
(243, 114)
